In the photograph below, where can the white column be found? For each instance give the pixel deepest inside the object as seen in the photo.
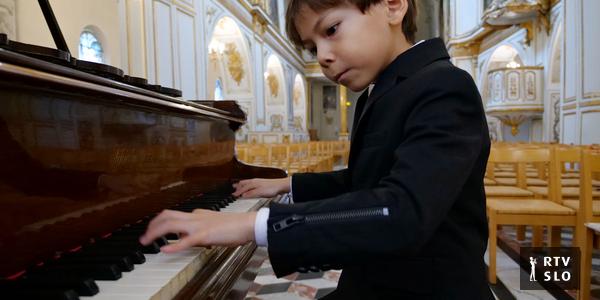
(581, 73)
(258, 50)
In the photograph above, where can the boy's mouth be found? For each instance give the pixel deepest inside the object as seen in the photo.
(339, 75)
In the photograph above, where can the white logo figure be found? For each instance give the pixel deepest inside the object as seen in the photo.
(532, 261)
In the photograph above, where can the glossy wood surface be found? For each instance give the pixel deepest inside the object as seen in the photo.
(79, 159)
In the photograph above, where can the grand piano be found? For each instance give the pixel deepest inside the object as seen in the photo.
(88, 156)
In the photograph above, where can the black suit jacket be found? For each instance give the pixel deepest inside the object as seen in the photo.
(407, 218)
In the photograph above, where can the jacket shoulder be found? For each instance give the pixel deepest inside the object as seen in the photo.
(444, 72)
(443, 77)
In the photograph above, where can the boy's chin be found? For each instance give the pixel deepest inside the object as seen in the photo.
(356, 87)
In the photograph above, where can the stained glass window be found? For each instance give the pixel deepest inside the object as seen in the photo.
(90, 48)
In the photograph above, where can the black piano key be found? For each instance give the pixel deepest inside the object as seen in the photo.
(134, 235)
(46, 294)
(162, 241)
(133, 238)
(123, 262)
(136, 256)
(98, 272)
(83, 286)
(172, 236)
(151, 248)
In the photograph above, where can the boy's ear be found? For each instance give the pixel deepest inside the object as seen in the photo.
(396, 10)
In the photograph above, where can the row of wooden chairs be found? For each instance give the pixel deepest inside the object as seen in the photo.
(543, 185)
(314, 156)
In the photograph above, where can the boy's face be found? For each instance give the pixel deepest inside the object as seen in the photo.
(351, 47)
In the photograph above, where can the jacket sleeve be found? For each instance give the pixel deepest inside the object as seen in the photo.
(444, 135)
(315, 186)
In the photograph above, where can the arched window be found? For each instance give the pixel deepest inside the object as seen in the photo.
(218, 90)
(90, 48)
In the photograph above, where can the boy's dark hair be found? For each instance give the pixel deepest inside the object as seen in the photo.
(409, 24)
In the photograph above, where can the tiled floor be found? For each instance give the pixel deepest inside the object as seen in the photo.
(297, 286)
(303, 286)
(511, 280)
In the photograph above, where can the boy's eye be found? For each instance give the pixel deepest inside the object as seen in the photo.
(331, 30)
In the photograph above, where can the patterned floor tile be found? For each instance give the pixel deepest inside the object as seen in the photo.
(274, 288)
(310, 275)
(318, 283)
(305, 286)
(303, 290)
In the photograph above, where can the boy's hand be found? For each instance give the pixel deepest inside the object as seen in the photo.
(259, 187)
(201, 228)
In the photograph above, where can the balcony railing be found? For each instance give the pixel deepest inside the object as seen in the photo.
(515, 95)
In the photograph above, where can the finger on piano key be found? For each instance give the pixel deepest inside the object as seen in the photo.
(161, 277)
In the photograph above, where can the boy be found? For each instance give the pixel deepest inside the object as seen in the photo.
(406, 219)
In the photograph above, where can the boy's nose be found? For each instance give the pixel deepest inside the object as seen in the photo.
(325, 58)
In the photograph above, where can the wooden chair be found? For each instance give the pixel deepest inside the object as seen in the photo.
(341, 149)
(317, 161)
(259, 154)
(516, 190)
(531, 211)
(589, 211)
(567, 157)
(298, 158)
(280, 156)
(241, 152)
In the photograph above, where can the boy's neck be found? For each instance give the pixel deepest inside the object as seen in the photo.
(401, 46)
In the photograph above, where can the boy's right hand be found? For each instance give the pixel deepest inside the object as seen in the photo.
(260, 187)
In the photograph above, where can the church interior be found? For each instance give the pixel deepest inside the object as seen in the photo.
(133, 75)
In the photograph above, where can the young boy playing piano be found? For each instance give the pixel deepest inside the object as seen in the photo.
(406, 219)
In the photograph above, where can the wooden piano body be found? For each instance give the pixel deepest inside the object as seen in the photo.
(83, 156)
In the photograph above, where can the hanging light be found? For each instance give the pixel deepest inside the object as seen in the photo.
(513, 65)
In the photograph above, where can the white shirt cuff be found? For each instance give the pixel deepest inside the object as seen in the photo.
(260, 227)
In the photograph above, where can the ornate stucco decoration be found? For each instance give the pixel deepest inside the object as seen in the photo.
(297, 93)
(235, 66)
(298, 122)
(260, 15)
(210, 13)
(273, 84)
(515, 95)
(276, 122)
(470, 48)
(511, 12)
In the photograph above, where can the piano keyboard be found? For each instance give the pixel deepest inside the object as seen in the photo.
(115, 268)
(163, 275)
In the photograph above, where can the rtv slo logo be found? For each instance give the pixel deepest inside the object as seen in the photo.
(549, 268)
(560, 262)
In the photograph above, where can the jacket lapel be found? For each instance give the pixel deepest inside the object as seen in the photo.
(406, 64)
(375, 95)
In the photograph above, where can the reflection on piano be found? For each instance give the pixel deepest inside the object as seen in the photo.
(89, 156)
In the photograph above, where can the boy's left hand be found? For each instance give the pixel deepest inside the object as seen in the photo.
(201, 228)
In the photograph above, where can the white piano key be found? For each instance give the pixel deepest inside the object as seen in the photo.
(241, 205)
(163, 275)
